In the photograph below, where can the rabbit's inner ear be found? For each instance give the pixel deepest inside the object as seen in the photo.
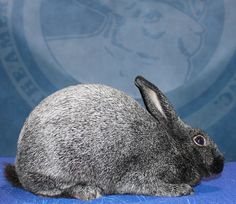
(155, 100)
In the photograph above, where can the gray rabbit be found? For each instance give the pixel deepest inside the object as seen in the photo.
(89, 140)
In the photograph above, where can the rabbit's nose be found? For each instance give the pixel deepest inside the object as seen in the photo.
(218, 165)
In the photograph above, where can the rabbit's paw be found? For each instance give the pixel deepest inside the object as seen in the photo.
(85, 192)
(174, 190)
(183, 189)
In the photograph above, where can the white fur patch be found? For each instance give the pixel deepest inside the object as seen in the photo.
(183, 123)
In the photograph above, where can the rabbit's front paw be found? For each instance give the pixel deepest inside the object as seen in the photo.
(174, 190)
(85, 192)
(184, 189)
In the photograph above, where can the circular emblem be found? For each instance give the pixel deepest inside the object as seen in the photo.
(174, 44)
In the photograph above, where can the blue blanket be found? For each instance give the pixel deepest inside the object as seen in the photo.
(219, 190)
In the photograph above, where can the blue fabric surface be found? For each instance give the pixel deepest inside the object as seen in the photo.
(187, 48)
(220, 190)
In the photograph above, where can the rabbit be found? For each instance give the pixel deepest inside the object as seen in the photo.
(89, 140)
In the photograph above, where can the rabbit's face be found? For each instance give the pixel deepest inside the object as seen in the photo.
(204, 152)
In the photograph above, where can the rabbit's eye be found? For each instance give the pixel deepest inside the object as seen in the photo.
(199, 140)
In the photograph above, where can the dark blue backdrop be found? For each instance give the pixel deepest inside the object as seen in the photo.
(185, 47)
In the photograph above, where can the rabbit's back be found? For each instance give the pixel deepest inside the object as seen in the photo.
(82, 132)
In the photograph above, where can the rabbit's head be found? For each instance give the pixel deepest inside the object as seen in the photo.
(193, 144)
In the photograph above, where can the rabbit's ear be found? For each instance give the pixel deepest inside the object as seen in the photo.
(155, 101)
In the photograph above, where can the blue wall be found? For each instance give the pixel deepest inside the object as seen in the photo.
(185, 47)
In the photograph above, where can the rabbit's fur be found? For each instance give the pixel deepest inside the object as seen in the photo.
(89, 140)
